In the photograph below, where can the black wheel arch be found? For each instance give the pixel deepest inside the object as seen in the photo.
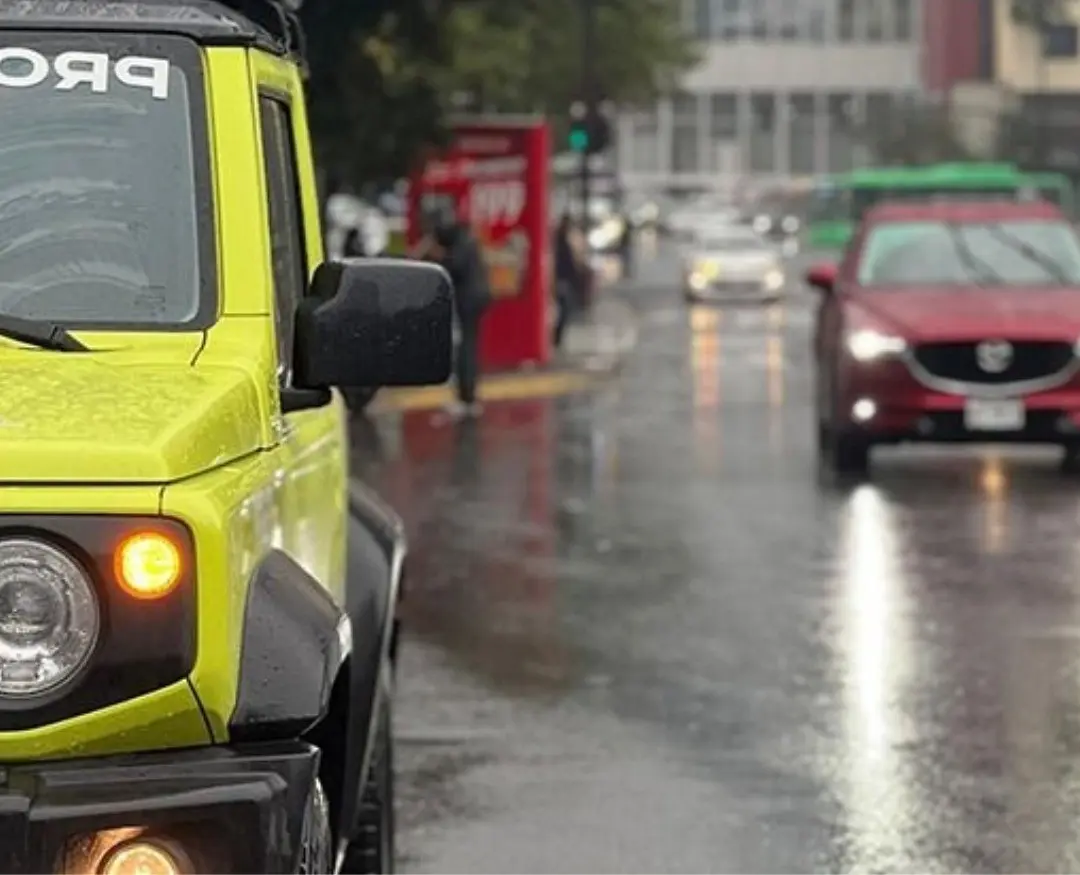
(328, 688)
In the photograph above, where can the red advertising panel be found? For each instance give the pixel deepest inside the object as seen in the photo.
(497, 173)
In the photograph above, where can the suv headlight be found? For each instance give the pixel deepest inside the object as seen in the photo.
(867, 346)
(49, 617)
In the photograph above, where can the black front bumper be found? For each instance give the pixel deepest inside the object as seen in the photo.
(232, 809)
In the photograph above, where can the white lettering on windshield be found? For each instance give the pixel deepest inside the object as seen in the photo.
(25, 68)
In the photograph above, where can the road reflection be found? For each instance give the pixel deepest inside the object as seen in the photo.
(876, 657)
(480, 501)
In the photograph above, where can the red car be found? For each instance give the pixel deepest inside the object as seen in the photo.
(950, 321)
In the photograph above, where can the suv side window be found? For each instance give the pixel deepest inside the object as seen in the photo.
(286, 224)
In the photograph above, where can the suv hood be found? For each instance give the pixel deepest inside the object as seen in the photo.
(90, 418)
(926, 315)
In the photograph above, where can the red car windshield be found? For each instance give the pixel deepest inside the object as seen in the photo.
(1026, 252)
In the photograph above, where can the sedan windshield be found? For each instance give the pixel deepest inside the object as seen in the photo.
(99, 192)
(1010, 253)
(734, 243)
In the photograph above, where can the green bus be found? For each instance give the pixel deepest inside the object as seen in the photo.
(839, 202)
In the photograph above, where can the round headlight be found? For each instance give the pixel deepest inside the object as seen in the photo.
(49, 617)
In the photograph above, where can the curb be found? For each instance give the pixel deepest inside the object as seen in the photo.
(580, 374)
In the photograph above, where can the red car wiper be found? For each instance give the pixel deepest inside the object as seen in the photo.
(978, 269)
(1032, 253)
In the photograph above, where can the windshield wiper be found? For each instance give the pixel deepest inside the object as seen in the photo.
(44, 335)
(978, 269)
(1032, 253)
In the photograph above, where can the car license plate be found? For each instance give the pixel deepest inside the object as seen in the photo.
(982, 415)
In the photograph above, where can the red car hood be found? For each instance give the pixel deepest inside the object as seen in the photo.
(960, 314)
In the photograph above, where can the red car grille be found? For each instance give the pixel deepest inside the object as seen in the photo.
(1029, 360)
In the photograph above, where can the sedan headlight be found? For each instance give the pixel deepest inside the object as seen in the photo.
(49, 617)
(868, 346)
(707, 268)
(774, 280)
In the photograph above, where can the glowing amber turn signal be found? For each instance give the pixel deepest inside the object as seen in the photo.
(148, 565)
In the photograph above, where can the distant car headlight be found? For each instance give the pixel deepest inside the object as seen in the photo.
(790, 224)
(774, 280)
(49, 618)
(707, 268)
(762, 224)
(868, 346)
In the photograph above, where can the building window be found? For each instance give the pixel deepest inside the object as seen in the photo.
(645, 141)
(802, 124)
(703, 19)
(903, 20)
(733, 23)
(879, 132)
(1059, 41)
(684, 135)
(759, 20)
(763, 133)
(724, 133)
(875, 26)
(840, 130)
(845, 25)
(786, 22)
(817, 22)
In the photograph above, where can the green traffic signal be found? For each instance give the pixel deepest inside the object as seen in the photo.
(579, 139)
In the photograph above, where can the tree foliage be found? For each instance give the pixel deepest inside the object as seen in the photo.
(384, 73)
(1038, 13)
(373, 97)
(527, 56)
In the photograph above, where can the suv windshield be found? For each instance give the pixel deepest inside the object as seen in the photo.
(1011, 253)
(100, 186)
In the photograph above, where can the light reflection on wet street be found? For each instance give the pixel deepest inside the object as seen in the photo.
(644, 635)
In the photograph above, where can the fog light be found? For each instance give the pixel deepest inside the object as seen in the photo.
(142, 857)
(863, 410)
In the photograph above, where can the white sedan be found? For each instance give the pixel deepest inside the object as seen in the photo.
(732, 264)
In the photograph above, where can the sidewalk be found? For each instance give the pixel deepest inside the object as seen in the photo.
(593, 349)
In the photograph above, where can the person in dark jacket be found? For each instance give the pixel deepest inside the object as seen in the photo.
(568, 277)
(458, 251)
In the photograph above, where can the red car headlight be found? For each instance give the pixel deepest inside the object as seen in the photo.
(869, 346)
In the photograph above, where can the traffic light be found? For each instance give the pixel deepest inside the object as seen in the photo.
(590, 134)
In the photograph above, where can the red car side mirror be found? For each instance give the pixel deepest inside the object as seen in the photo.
(822, 277)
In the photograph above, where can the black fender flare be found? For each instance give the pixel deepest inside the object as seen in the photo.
(374, 575)
(295, 641)
(330, 652)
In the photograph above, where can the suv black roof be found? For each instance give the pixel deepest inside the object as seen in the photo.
(263, 23)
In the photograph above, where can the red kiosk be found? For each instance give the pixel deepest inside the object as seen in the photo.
(497, 171)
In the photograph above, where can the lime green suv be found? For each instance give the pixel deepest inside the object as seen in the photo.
(197, 609)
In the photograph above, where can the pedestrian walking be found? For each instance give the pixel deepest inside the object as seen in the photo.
(456, 248)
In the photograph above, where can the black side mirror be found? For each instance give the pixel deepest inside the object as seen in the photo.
(375, 322)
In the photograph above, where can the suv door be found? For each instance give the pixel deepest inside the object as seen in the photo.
(314, 497)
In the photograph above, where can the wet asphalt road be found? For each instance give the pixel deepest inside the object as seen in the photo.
(645, 637)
